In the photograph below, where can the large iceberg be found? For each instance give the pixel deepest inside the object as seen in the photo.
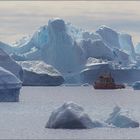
(9, 86)
(9, 64)
(39, 73)
(53, 44)
(71, 116)
(118, 119)
(61, 37)
(67, 48)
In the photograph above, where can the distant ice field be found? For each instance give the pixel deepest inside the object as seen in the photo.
(27, 119)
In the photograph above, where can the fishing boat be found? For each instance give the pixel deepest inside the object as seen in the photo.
(106, 81)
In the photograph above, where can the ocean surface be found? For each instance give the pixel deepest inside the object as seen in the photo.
(27, 118)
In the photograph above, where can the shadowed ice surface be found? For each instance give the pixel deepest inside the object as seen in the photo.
(27, 119)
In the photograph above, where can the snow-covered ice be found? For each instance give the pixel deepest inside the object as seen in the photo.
(39, 67)
(39, 73)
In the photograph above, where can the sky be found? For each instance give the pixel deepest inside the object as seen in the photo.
(23, 18)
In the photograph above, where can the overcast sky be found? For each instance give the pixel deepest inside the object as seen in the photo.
(21, 18)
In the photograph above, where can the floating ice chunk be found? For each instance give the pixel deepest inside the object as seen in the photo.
(136, 85)
(71, 116)
(39, 73)
(9, 86)
(117, 119)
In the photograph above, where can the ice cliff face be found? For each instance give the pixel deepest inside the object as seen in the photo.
(9, 64)
(126, 44)
(109, 36)
(60, 50)
(97, 49)
(117, 40)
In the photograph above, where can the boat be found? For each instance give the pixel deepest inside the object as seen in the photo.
(106, 81)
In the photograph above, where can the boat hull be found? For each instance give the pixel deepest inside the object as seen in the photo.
(96, 86)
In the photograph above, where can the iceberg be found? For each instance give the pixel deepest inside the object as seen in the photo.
(117, 119)
(9, 64)
(54, 44)
(39, 73)
(9, 86)
(67, 48)
(136, 85)
(71, 116)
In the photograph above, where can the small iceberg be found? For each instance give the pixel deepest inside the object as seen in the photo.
(117, 119)
(71, 116)
(9, 86)
(38, 73)
(136, 85)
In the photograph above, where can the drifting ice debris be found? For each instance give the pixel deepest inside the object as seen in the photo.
(117, 119)
(136, 85)
(71, 116)
(9, 86)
